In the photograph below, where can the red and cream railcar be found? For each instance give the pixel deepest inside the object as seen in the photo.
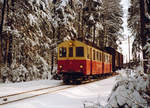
(77, 60)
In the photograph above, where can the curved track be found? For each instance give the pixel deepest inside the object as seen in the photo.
(37, 92)
(32, 93)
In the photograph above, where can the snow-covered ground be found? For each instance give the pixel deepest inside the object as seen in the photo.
(13, 88)
(75, 97)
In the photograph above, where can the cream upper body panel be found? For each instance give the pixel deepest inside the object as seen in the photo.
(90, 52)
(73, 44)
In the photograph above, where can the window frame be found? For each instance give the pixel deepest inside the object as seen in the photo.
(93, 54)
(88, 53)
(78, 54)
(61, 52)
(71, 52)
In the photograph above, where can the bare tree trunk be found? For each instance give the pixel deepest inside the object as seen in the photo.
(147, 37)
(145, 33)
(1, 29)
(94, 35)
(52, 51)
(12, 3)
(6, 40)
(6, 51)
(142, 19)
(52, 62)
(83, 35)
(9, 58)
(79, 30)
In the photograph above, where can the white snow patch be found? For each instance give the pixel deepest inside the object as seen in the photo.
(33, 19)
(64, 3)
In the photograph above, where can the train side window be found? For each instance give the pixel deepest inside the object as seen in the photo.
(100, 56)
(106, 58)
(62, 52)
(79, 52)
(93, 54)
(70, 51)
(97, 56)
(110, 59)
(88, 53)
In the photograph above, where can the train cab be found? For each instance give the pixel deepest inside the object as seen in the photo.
(71, 57)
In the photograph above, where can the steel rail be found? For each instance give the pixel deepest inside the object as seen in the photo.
(28, 97)
(47, 92)
(29, 91)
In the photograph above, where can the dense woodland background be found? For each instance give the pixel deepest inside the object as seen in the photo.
(139, 23)
(33, 28)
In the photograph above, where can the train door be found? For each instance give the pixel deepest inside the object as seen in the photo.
(91, 61)
(103, 60)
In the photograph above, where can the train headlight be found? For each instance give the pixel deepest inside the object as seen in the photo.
(70, 44)
(60, 66)
(81, 66)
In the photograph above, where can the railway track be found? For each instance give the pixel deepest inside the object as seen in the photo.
(37, 92)
(32, 93)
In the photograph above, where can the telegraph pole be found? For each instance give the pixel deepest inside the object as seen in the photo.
(143, 37)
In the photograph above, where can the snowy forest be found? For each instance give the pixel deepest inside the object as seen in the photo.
(30, 31)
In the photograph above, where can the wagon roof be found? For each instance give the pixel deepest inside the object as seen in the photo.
(87, 43)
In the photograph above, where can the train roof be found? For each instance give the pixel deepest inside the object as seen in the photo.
(109, 50)
(85, 42)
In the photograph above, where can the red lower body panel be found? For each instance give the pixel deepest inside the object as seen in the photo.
(84, 67)
(107, 68)
(97, 67)
(70, 66)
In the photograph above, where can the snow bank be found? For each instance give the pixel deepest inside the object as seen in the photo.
(73, 97)
(129, 91)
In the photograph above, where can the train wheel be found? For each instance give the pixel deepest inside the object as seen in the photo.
(76, 82)
(66, 81)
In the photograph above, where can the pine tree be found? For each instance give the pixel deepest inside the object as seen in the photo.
(138, 21)
(135, 26)
(145, 33)
(111, 17)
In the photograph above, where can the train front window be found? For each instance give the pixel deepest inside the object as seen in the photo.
(62, 52)
(70, 51)
(79, 52)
